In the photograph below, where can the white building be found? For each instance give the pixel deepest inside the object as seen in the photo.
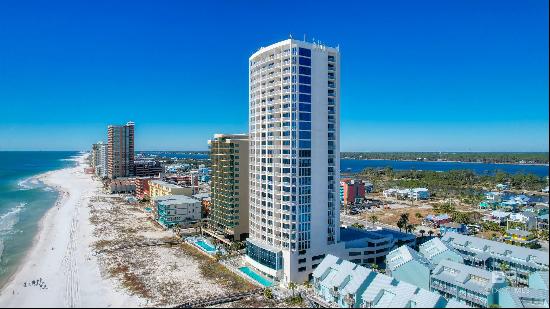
(176, 210)
(99, 159)
(294, 156)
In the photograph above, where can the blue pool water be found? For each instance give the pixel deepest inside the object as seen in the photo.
(205, 246)
(252, 274)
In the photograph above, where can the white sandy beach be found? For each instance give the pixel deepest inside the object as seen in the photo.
(61, 254)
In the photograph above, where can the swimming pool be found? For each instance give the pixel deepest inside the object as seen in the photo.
(252, 274)
(205, 246)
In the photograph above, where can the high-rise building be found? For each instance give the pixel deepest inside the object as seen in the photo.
(120, 150)
(229, 185)
(99, 159)
(294, 109)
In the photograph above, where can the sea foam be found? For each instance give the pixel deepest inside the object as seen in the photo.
(7, 222)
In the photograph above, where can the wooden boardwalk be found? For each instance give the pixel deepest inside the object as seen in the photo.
(211, 301)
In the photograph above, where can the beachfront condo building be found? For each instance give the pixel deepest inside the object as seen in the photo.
(120, 150)
(229, 186)
(162, 188)
(294, 109)
(99, 159)
(176, 210)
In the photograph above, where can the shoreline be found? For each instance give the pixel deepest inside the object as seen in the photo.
(451, 161)
(60, 255)
(61, 194)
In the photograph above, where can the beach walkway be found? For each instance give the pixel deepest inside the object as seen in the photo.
(211, 301)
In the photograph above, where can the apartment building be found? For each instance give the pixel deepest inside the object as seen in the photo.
(491, 255)
(120, 147)
(162, 188)
(340, 283)
(352, 191)
(294, 110)
(469, 285)
(229, 208)
(100, 159)
(147, 168)
(176, 210)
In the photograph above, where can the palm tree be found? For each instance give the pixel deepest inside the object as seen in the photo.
(403, 221)
(410, 228)
(430, 233)
(373, 219)
(422, 232)
(400, 225)
(292, 286)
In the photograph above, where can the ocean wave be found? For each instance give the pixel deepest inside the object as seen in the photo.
(29, 183)
(10, 218)
(1, 248)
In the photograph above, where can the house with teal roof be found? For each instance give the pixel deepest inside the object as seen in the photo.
(405, 264)
(435, 251)
(340, 283)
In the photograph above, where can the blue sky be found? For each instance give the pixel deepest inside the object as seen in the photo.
(416, 75)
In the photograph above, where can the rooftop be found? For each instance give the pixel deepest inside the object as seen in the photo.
(175, 199)
(433, 247)
(526, 297)
(480, 245)
(380, 290)
(468, 277)
(402, 256)
(165, 184)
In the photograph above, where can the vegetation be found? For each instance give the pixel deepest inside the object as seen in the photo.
(217, 271)
(465, 185)
(358, 225)
(403, 222)
(268, 293)
(481, 157)
(373, 219)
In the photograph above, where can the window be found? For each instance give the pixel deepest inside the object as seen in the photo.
(306, 98)
(305, 79)
(305, 107)
(305, 125)
(302, 269)
(305, 116)
(305, 89)
(304, 70)
(305, 61)
(304, 52)
(305, 135)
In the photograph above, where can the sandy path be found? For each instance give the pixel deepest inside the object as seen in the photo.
(61, 254)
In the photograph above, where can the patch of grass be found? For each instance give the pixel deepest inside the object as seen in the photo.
(129, 280)
(101, 244)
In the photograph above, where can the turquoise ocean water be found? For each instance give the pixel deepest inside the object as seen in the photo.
(24, 200)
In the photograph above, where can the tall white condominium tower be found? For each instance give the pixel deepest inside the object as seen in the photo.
(294, 157)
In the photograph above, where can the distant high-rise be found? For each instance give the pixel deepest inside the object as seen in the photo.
(120, 150)
(229, 196)
(99, 159)
(294, 108)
